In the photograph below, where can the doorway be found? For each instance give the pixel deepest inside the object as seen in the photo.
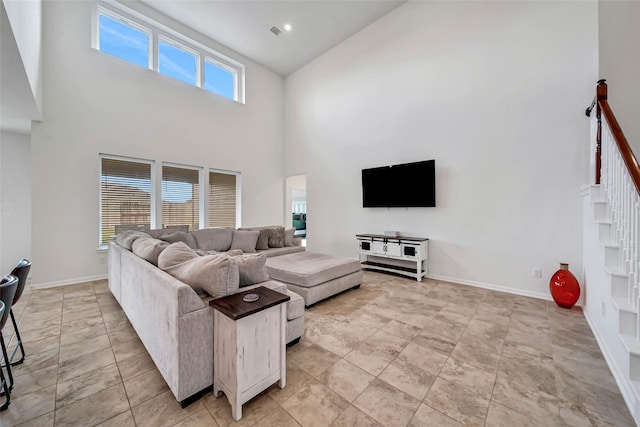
(296, 210)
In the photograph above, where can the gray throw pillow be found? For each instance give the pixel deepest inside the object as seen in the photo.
(213, 239)
(149, 249)
(179, 236)
(263, 238)
(126, 238)
(288, 236)
(216, 275)
(245, 240)
(276, 237)
(251, 269)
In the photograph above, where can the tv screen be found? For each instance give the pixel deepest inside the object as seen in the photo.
(408, 185)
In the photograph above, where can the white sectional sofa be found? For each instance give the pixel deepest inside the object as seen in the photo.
(174, 323)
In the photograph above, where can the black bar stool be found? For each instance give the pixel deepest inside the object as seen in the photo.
(21, 271)
(8, 287)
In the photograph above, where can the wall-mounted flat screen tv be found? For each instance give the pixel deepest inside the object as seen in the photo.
(407, 185)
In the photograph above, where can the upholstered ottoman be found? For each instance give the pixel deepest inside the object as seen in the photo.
(315, 276)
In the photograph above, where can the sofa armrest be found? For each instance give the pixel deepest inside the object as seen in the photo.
(270, 284)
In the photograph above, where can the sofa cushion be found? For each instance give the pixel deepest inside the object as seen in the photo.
(216, 275)
(149, 249)
(245, 240)
(251, 269)
(295, 306)
(213, 239)
(308, 269)
(126, 238)
(263, 238)
(288, 237)
(276, 237)
(179, 236)
(157, 232)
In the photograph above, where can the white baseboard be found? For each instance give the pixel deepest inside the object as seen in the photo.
(67, 282)
(492, 287)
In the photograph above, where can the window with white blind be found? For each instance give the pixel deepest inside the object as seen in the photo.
(222, 199)
(180, 197)
(125, 196)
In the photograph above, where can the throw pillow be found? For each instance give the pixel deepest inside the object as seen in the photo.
(263, 238)
(288, 236)
(213, 239)
(276, 237)
(149, 249)
(179, 236)
(216, 275)
(126, 238)
(245, 240)
(251, 269)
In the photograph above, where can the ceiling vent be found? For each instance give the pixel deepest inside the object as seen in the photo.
(275, 30)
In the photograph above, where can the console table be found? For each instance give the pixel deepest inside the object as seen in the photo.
(249, 352)
(402, 254)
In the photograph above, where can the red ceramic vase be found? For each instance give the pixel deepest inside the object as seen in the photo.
(564, 287)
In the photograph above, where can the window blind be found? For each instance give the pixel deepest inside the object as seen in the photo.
(180, 197)
(222, 200)
(125, 201)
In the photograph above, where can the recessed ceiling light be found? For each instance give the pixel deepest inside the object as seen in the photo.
(287, 27)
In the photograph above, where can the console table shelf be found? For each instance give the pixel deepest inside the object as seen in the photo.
(402, 254)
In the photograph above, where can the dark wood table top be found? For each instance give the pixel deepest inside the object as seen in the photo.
(235, 308)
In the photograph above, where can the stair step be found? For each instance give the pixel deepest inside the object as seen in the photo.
(601, 211)
(622, 304)
(635, 385)
(631, 343)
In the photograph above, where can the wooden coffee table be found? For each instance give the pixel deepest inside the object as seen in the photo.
(249, 345)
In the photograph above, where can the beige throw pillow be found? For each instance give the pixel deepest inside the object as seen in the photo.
(245, 240)
(263, 239)
(276, 237)
(126, 238)
(149, 249)
(216, 275)
(251, 269)
(288, 236)
(213, 239)
(179, 236)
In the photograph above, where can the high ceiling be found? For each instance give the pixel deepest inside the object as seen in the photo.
(317, 25)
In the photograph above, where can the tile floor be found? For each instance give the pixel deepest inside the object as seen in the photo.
(393, 353)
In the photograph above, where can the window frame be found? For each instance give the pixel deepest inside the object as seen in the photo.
(152, 212)
(157, 32)
(201, 192)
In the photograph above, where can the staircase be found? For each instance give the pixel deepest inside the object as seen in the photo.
(611, 254)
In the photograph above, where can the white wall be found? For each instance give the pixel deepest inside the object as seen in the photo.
(618, 33)
(25, 18)
(495, 92)
(15, 199)
(95, 104)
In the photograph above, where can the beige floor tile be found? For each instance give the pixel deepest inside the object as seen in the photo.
(387, 342)
(457, 402)
(79, 348)
(84, 311)
(29, 382)
(315, 405)
(135, 365)
(94, 409)
(72, 368)
(29, 406)
(128, 348)
(426, 416)
(315, 359)
(369, 358)
(87, 384)
(431, 340)
(82, 334)
(278, 417)
(346, 379)
(48, 331)
(36, 362)
(145, 386)
(163, 411)
(386, 404)
(353, 417)
(400, 329)
(296, 379)
(123, 420)
(479, 357)
(202, 418)
(47, 344)
(252, 412)
(84, 323)
(408, 378)
(473, 378)
(426, 359)
(500, 416)
(45, 420)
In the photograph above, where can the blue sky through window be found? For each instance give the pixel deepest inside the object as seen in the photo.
(123, 41)
(176, 192)
(177, 63)
(218, 80)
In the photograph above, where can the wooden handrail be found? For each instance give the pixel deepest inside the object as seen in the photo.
(630, 160)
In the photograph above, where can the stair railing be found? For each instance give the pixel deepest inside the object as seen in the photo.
(618, 173)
